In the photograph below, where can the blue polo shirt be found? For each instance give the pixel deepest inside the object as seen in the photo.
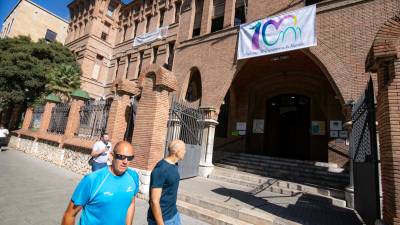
(104, 197)
(166, 176)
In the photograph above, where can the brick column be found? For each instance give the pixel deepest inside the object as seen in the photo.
(152, 116)
(206, 17)
(73, 118)
(46, 116)
(27, 118)
(117, 117)
(389, 139)
(229, 15)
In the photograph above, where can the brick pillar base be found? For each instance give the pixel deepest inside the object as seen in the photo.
(27, 118)
(45, 121)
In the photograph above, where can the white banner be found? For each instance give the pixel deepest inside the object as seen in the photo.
(281, 33)
(159, 33)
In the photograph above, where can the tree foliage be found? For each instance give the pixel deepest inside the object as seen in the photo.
(31, 70)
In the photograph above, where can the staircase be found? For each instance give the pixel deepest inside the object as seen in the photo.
(285, 176)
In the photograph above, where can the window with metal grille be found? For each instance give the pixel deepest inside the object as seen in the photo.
(197, 18)
(217, 22)
(50, 35)
(177, 11)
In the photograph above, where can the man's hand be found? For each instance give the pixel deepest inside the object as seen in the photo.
(70, 214)
(155, 205)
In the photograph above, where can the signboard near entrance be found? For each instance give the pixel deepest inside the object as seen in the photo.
(280, 33)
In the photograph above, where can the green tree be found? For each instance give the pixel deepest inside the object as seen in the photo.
(26, 67)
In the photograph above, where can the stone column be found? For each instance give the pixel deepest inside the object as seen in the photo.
(73, 118)
(206, 165)
(46, 116)
(349, 195)
(27, 118)
(206, 17)
(117, 118)
(229, 15)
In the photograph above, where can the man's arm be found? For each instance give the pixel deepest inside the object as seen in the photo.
(70, 214)
(130, 213)
(155, 205)
(96, 152)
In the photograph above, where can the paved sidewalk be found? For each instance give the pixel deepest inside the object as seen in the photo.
(34, 192)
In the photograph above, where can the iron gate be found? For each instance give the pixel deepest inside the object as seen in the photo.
(186, 123)
(365, 157)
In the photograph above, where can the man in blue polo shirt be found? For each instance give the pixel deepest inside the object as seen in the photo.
(164, 183)
(107, 196)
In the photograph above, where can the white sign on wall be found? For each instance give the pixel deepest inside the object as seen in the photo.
(280, 33)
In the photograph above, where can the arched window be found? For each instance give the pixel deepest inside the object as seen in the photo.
(193, 92)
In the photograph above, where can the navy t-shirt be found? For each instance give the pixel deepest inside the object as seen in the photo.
(166, 176)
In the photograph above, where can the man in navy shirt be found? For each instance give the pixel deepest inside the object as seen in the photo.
(164, 183)
(107, 196)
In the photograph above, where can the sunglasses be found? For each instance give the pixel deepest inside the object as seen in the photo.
(123, 157)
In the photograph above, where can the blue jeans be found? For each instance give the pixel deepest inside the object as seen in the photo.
(97, 166)
(175, 220)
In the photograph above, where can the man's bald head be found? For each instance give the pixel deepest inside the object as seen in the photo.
(123, 146)
(177, 148)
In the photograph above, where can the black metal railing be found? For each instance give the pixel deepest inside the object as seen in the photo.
(93, 118)
(59, 118)
(36, 117)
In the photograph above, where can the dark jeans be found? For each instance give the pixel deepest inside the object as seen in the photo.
(97, 166)
(3, 141)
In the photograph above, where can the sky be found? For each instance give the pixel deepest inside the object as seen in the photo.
(58, 7)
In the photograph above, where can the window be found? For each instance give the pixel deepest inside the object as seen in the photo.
(140, 62)
(110, 9)
(217, 22)
(193, 92)
(97, 67)
(311, 2)
(177, 11)
(386, 73)
(197, 18)
(240, 12)
(136, 26)
(103, 36)
(171, 54)
(50, 35)
(148, 24)
(162, 13)
(155, 51)
(128, 61)
(124, 32)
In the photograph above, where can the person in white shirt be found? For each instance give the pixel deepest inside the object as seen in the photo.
(3, 136)
(100, 152)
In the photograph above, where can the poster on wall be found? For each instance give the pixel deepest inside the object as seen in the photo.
(334, 134)
(241, 126)
(258, 126)
(318, 128)
(280, 33)
(343, 134)
(335, 125)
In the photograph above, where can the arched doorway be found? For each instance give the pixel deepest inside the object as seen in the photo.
(282, 106)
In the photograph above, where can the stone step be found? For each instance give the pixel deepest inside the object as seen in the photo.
(292, 161)
(239, 215)
(293, 170)
(208, 216)
(289, 176)
(317, 167)
(276, 185)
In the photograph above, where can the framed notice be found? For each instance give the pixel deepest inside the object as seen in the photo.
(335, 125)
(318, 128)
(343, 134)
(334, 134)
(258, 126)
(240, 126)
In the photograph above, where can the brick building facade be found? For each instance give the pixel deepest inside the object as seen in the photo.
(286, 93)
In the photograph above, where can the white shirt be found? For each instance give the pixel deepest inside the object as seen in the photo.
(98, 146)
(3, 133)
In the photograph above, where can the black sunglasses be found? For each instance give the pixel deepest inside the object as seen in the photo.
(123, 157)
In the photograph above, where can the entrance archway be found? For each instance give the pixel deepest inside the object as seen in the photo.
(303, 96)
